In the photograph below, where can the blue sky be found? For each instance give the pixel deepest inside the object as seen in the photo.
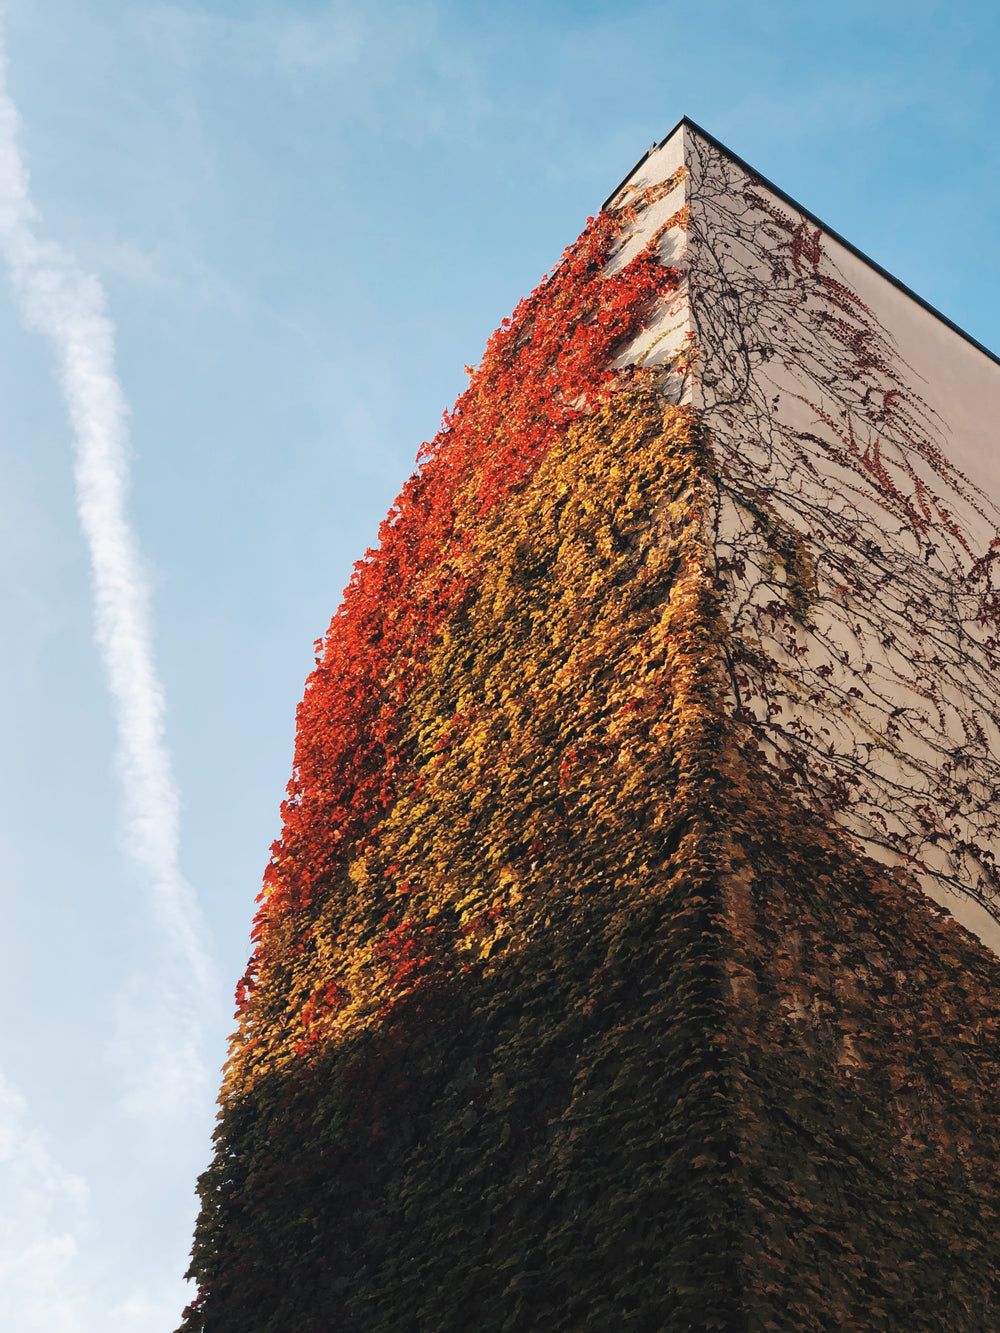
(305, 219)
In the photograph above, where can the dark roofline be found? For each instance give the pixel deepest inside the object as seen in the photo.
(793, 203)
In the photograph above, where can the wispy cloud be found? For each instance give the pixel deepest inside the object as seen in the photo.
(164, 1067)
(43, 1209)
(58, 1273)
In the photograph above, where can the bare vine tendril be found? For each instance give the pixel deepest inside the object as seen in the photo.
(864, 657)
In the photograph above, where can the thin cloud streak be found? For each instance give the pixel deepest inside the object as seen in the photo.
(68, 305)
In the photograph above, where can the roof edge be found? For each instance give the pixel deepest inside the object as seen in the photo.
(778, 192)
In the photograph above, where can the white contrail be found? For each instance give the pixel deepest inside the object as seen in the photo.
(68, 305)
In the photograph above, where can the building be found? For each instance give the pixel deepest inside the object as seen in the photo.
(628, 956)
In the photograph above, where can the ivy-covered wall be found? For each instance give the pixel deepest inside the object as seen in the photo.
(566, 1011)
(858, 533)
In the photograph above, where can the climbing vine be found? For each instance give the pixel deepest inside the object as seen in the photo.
(545, 368)
(570, 1004)
(860, 561)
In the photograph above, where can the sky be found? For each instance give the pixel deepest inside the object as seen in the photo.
(246, 250)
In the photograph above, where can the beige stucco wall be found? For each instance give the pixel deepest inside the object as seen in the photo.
(859, 478)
